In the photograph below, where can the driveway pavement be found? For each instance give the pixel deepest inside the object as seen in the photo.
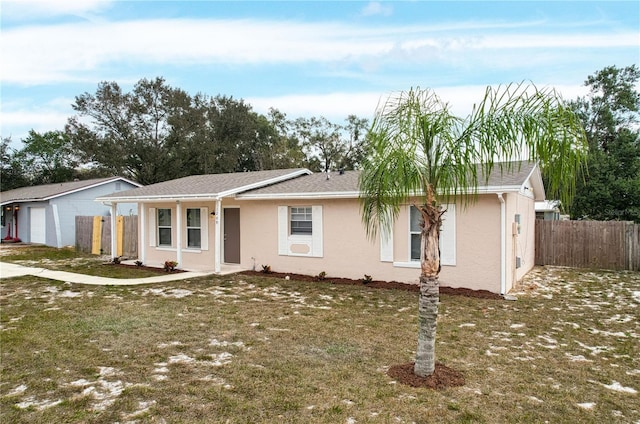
(9, 270)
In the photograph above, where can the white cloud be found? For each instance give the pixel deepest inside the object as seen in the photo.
(333, 106)
(71, 52)
(377, 8)
(37, 54)
(30, 9)
(19, 119)
(338, 105)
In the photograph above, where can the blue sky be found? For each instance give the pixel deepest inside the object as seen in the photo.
(304, 58)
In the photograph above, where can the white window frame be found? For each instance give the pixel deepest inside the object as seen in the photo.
(158, 227)
(313, 241)
(413, 233)
(193, 227)
(447, 239)
(307, 212)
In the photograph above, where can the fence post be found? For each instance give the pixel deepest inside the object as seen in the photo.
(119, 235)
(96, 238)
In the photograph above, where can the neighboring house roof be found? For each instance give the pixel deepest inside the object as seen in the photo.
(346, 184)
(49, 191)
(205, 187)
(548, 206)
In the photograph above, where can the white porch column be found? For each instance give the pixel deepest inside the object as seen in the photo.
(218, 237)
(179, 233)
(142, 238)
(114, 235)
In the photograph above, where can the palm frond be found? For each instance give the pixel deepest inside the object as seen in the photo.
(420, 149)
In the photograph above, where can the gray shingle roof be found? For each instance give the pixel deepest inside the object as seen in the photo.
(48, 191)
(314, 183)
(347, 183)
(206, 186)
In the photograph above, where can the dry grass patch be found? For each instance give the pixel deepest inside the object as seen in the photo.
(245, 349)
(67, 259)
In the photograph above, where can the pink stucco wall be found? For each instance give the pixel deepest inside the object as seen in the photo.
(520, 244)
(347, 252)
(192, 259)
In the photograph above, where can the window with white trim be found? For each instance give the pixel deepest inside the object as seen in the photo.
(164, 226)
(447, 235)
(301, 221)
(194, 228)
(415, 232)
(300, 231)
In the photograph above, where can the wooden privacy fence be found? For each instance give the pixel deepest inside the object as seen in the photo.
(588, 244)
(93, 235)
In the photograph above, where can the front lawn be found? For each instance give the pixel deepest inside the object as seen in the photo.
(69, 260)
(246, 349)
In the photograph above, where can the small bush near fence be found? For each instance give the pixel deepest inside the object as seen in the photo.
(95, 237)
(588, 244)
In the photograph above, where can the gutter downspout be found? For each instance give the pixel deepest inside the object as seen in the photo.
(179, 233)
(503, 245)
(142, 238)
(219, 235)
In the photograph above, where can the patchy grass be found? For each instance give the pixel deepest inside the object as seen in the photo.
(67, 259)
(27, 252)
(242, 349)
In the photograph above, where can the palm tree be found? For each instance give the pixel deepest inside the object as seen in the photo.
(425, 156)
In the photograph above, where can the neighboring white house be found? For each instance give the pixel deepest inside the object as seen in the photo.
(548, 210)
(46, 214)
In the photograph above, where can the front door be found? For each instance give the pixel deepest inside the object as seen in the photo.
(232, 235)
(38, 231)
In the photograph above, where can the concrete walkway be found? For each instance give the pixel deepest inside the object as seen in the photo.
(9, 270)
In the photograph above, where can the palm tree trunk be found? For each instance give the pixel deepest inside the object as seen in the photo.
(429, 290)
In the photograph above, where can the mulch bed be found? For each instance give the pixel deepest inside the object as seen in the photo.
(393, 285)
(441, 378)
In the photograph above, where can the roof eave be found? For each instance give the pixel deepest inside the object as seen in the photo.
(293, 196)
(357, 194)
(203, 196)
(265, 183)
(65, 193)
(159, 198)
(538, 184)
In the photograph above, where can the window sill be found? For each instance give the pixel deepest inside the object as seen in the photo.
(300, 237)
(412, 264)
(166, 248)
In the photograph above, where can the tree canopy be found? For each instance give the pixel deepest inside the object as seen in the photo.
(45, 158)
(157, 132)
(609, 189)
